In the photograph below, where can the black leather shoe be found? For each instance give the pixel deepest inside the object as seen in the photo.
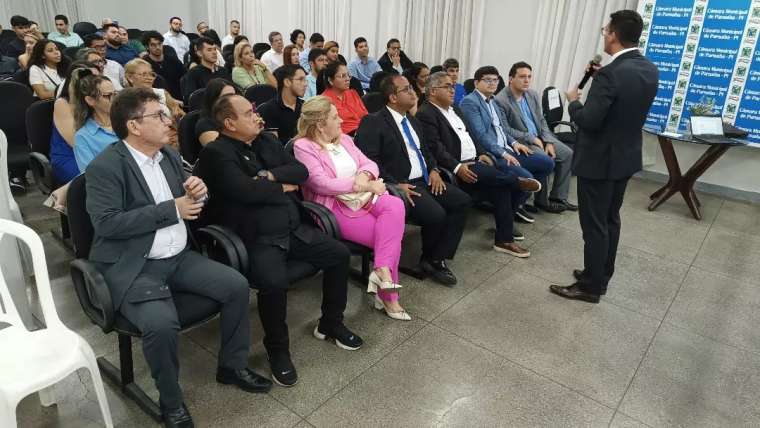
(439, 272)
(566, 203)
(574, 292)
(522, 216)
(531, 208)
(580, 276)
(177, 418)
(283, 371)
(551, 207)
(245, 379)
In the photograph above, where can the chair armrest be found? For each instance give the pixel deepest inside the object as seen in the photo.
(572, 126)
(224, 246)
(395, 191)
(42, 172)
(448, 176)
(93, 294)
(324, 218)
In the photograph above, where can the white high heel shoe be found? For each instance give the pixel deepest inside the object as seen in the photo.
(401, 316)
(375, 282)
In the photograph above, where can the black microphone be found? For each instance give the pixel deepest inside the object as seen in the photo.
(596, 61)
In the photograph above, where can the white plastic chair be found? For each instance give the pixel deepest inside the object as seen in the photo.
(33, 361)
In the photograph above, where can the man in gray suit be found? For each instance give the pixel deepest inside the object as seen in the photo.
(526, 124)
(137, 198)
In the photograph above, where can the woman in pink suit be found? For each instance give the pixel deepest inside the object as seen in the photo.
(342, 179)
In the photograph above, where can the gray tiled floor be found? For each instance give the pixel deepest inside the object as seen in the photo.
(674, 343)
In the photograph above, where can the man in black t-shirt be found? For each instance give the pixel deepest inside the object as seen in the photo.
(281, 114)
(199, 76)
(165, 65)
(20, 26)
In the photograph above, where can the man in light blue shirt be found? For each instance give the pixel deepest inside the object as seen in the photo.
(364, 66)
(62, 35)
(317, 62)
(315, 41)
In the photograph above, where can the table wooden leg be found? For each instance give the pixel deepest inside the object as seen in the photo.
(674, 174)
(709, 157)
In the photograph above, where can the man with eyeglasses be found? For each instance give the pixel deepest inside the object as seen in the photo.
(167, 66)
(394, 60)
(454, 148)
(488, 122)
(141, 246)
(395, 140)
(281, 113)
(111, 69)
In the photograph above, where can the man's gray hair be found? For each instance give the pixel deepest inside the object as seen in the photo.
(434, 79)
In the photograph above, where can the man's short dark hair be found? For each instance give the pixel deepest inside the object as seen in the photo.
(627, 24)
(450, 63)
(200, 41)
(127, 105)
(173, 18)
(235, 21)
(316, 53)
(223, 109)
(388, 86)
(271, 35)
(151, 34)
(390, 42)
(286, 72)
(88, 39)
(19, 21)
(359, 40)
(316, 38)
(107, 26)
(482, 71)
(518, 65)
(61, 18)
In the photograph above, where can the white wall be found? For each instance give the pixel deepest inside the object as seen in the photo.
(146, 14)
(508, 30)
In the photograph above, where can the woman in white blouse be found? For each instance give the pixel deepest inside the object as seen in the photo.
(48, 69)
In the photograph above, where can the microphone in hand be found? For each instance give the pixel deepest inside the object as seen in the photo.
(593, 65)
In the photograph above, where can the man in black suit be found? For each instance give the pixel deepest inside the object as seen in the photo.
(608, 151)
(253, 180)
(395, 141)
(453, 148)
(137, 198)
(394, 60)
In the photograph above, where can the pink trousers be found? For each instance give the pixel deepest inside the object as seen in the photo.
(381, 228)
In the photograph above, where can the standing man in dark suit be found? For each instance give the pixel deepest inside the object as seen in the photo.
(608, 151)
(452, 146)
(137, 198)
(395, 141)
(253, 180)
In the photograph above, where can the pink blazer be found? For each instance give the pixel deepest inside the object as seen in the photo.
(322, 185)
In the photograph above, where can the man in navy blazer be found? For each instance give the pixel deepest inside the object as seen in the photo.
(608, 149)
(488, 122)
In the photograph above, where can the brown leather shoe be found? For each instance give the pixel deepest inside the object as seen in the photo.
(528, 184)
(574, 292)
(512, 249)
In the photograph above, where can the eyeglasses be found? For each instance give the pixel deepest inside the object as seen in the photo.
(161, 115)
(604, 31)
(108, 96)
(299, 79)
(446, 87)
(407, 88)
(490, 81)
(341, 76)
(150, 75)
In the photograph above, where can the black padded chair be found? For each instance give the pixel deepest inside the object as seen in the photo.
(373, 101)
(189, 146)
(259, 49)
(192, 36)
(134, 33)
(554, 118)
(195, 100)
(259, 94)
(469, 85)
(71, 52)
(84, 28)
(13, 124)
(436, 69)
(95, 297)
(39, 128)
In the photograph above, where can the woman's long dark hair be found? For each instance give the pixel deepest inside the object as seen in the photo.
(213, 90)
(38, 57)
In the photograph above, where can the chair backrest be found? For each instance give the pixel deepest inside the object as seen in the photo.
(260, 94)
(552, 115)
(8, 312)
(192, 36)
(80, 224)
(13, 114)
(373, 101)
(134, 33)
(189, 146)
(259, 49)
(195, 100)
(71, 52)
(469, 85)
(39, 125)
(84, 28)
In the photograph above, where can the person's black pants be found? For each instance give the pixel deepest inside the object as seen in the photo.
(500, 188)
(599, 203)
(442, 218)
(269, 274)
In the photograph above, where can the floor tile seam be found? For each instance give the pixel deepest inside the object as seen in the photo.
(714, 340)
(709, 229)
(614, 415)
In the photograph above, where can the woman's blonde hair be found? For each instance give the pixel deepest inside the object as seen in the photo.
(313, 113)
(131, 67)
(238, 53)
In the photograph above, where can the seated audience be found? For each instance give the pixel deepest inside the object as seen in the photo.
(451, 67)
(139, 74)
(346, 182)
(91, 100)
(202, 27)
(214, 37)
(91, 55)
(332, 50)
(176, 38)
(394, 140)
(417, 74)
(234, 32)
(167, 66)
(394, 60)
(30, 41)
(47, 69)
(17, 46)
(115, 49)
(290, 55)
(298, 37)
(454, 148)
(62, 34)
(136, 45)
(363, 66)
(349, 104)
(316, 41)
(140, 245)
(251, 176)
(111, 69)
(526, 123)
(273, 57)
(206, 128)
(487, 121)
(198, 77)
(318, 62)
(248, 70)
(281, 114)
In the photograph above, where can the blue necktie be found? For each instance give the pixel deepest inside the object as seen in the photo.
(408, 133)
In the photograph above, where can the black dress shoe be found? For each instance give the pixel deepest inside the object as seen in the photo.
(551, 207)
(574, 292)
(177, 418)
(439, 272)
(522, 216)
(531, 208)
(283, 371)
(245, 379)
(566, 203)
(580, 276)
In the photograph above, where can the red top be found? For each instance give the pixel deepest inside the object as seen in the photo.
(351, 108)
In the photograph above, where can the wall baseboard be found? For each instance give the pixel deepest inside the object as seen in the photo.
(712, 189)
